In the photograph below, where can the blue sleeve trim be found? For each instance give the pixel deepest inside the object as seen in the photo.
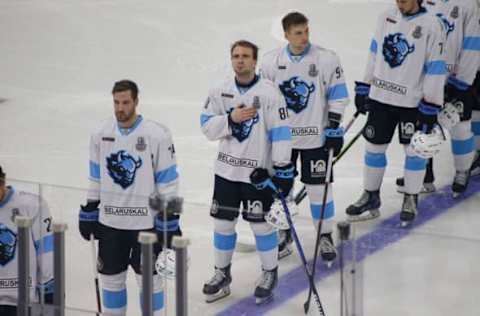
(428, 108)
(315, 209)
(45, 245)
(266, 242)
(337, 92)
(373, 46)
(471, 43)
(414, 163)
(284, 173)
(362, 89)
(204, 118)
(457, 83)
(436, 67)
(224, 242)
(278, 134)
(374, 160)
(94, 170)
(166, 175)
(114, 299)
(169, 226)
(88, 216)
(463, 147)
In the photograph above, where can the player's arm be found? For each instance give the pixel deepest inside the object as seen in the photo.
(43, 240)
(94, 169)
(336, 89)
(434, 70)
(469, 58)
(213, 121)
(374, 50)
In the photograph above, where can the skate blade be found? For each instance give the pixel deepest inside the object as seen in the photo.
(217, 296)
(329, 263)
(263, 300)
(474, 172)
(456, 195)
(372, 214)
(424, 190)
(404, 224)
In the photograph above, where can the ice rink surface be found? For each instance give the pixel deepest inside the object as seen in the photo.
(58, 62)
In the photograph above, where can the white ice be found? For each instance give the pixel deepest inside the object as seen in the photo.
(58, 61)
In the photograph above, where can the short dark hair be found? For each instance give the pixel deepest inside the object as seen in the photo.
(293, 18)
(244, 43)
(2, 175)
(126, 85)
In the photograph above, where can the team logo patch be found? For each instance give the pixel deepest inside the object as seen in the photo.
(369, 132)
(141, 145)
(297, 93)
(318, 168)
(15, 213)
(242, 130)
(417, 33)
(447, 26)
(454, 13)
(256, 102)
(8, 245)
(312, 70)
(407, 129)
(122, 167)
(396, 49)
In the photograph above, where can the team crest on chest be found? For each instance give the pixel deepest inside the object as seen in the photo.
(396, 48)
(454, 13)
(8, 245)
(297, 93)
(242, 130)
(312, 70)
(141, 145)
(256, 102)
(417, 33)
(122, 167)
(15, 213)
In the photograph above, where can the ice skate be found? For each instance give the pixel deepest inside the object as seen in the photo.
(218, 286)
(327, 249)
(409, 209)
(427, 187)
(475, 168)
(284, 244)
(265, 286)
(460, 182)
(368, 202)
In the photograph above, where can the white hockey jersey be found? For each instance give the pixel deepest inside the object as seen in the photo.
(126, 166)
(460, 19)
(260, 142)
(312, 84)
(407, 59)
(41, 245)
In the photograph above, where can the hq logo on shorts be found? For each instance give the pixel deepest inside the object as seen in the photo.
(396, 49)
(297, 93)
(122, 168)
(8, 244)
(242, 130)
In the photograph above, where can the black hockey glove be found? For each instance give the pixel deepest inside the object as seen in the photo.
(167, 224)
(334, 134)
(361, 96)
(461, 96)
(261, 180)
(88, 220)
(283, 178)
(427, 115)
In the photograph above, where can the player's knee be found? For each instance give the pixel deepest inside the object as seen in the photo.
(266, 237)
(462, 130)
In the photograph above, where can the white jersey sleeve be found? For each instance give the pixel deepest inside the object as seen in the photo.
(41, 245)
(411, 65)
(214, 119)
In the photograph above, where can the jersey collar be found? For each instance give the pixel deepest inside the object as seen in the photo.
(127, 131)
(421, 11)
(297, 58)
(8, 196)
(242, 88)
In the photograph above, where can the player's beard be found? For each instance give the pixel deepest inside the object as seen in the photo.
(123, 116)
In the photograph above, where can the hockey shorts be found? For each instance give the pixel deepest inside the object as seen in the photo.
(313, 164)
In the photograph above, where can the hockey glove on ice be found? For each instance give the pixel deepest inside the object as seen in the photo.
(283, 178)
(427, 115)
(361, 96)
(88, 220)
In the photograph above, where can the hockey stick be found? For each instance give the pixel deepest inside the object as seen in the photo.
(303, 192)
(302, 256)
(306, 306)
(95, 274)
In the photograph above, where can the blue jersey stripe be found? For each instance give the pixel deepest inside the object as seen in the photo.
(436, 67)
(471, 43)
(373, 46)
(279, 133)
(94, 170)
(204, 118)
(336, 92)
(166, 175)
(45, 245)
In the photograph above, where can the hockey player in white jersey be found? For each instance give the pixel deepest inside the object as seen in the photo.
(18, 203)
(130, 158)
(248, 117)
(475, 168)
(312, 82)
(403, 85)
(462, 49)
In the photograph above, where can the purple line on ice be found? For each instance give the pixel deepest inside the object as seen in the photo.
(295, 282)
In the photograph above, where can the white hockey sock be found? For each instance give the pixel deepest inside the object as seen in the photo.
(414, 171)
(224, 239)
(157, 299)
(375, 163)
(266, 240)
(315, 195)
(114, 294)
(462, 145)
